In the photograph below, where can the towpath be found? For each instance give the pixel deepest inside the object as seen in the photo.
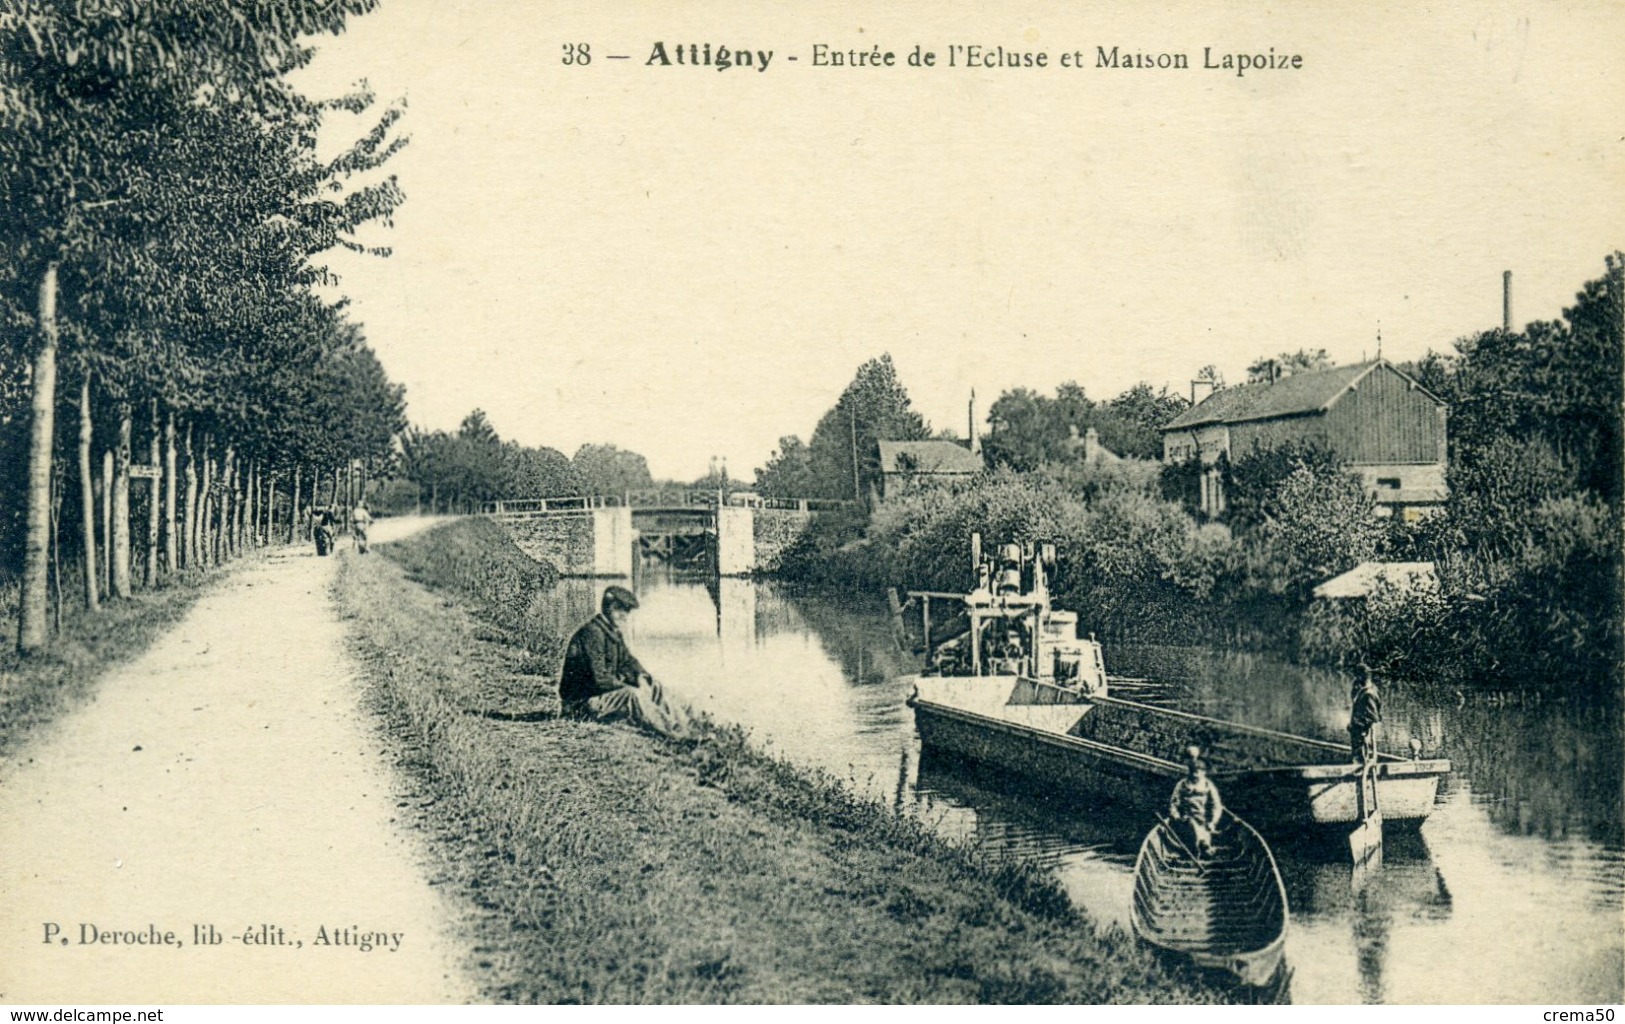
(228, 789)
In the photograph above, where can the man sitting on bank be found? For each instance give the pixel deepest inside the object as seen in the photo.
(601, 680)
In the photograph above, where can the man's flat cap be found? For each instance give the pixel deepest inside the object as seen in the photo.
(619, 597)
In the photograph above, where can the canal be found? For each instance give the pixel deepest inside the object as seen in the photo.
(1511, 893)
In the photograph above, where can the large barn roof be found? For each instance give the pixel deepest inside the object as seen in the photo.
(1308, 391)
(927, 457)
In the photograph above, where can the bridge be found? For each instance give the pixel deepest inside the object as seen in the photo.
(708, 530)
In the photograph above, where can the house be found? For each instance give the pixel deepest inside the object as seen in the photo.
(1389, 429)
(909, 463)
(1359, 582)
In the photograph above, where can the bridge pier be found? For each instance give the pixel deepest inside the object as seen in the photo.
(735, 542)
(581, 542)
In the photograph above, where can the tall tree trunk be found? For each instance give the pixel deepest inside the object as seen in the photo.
(205, 511)
(189, 516)
(87, 497)
(107, 522)
(121, 505)
(154, 456)
(56, 548)
(32, 628)
(233, 502)
(170, 546)
(293, 507)
(268, 516)
(237, 481)
(222, 539)
(249, 508)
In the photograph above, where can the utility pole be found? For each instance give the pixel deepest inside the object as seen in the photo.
(852, 425)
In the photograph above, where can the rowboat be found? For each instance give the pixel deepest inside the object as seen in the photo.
(1019, 689)
(1224, 911)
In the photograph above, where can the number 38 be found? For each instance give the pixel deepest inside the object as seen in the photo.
(577, 53)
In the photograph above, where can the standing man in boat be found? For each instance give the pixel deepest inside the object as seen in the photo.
(1195, 807)
(1363, 719)
(602, 681)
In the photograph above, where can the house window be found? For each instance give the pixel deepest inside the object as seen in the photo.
(1390, 483)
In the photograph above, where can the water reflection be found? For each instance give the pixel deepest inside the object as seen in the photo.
(1511, 893)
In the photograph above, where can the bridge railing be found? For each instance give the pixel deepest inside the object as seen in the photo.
(655, 499)
(542, 506)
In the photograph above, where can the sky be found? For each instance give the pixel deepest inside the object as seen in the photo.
(692, 263)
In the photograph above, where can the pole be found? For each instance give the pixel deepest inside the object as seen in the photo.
(1506, 301)
(852, 424)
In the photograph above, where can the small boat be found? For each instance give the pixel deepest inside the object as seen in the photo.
(1020, 690)
(1225, 911)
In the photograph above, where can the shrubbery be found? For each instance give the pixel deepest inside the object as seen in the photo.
(1535, 600)
(476, 559)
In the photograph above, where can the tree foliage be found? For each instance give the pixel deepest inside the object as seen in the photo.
(874, 407)
(158, 162)
(1030, 430)
(606, 469)
(1264, 369)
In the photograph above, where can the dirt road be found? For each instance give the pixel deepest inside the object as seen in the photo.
(219, 825)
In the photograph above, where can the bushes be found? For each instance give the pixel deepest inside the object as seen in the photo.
(476, 559)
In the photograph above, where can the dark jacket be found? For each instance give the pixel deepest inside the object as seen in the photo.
(1367, 711)
(1196, 799)
(596, 661)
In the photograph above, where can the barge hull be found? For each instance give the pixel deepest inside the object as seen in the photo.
(1323, 794)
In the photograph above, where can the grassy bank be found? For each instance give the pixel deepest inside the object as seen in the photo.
(41, 687)
(608, 866)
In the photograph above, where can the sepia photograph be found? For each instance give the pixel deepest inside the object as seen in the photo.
(840, 504)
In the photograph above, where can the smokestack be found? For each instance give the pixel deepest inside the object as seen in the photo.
(975, 438)
(1506, 301)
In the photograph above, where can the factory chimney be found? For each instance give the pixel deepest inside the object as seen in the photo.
(975, 438)
(1506, 301)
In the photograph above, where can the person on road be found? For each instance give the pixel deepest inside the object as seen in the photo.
(1363, 719)
(321, 529)
(1195, 807)
(602, 681)
(360, 521)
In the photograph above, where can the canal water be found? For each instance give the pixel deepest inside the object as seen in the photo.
(1511, 893)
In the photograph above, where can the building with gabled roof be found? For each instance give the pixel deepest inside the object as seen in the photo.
(913, 462)
(1367, 577)
(1388, 428)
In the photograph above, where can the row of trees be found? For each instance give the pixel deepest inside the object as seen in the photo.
(161, 203)
(1028, 431)
(457, 471)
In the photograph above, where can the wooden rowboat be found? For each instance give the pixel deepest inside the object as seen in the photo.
(1227, 911)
